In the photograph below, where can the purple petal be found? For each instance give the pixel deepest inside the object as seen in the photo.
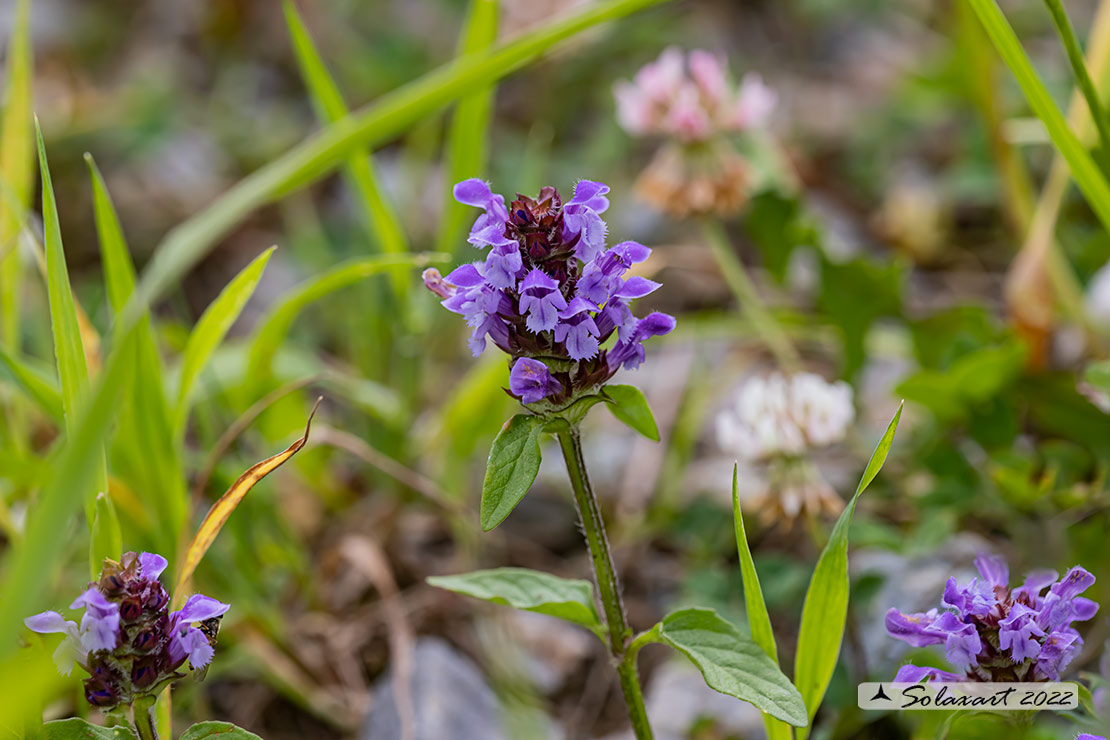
(473, 192)
(912, 674)
(1083, 609)
(632, 252)
(465, 276)
(913, 628)
(49, 622)
(1074, 583)
(591, 194)
(637, 287)
(531, 380)
(537, 278)
(993, 569)
(152, 564)
(199, 608)
(191, 643)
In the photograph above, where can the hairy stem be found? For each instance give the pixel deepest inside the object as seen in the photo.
(750, 303)
(143, 713)
(606, 576)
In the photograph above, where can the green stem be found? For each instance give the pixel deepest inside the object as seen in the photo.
(1079, 66)
(619, 632)
(142, 711)
(746, 295)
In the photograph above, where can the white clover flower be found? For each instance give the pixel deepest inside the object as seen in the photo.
(780, 416)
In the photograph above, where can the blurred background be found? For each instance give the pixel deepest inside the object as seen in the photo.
(898, 178)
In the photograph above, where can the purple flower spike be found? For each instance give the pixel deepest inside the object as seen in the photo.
(996, 633)
(1089, 736)
(548, 287)
(128, 642)
(912, 674)
(531, 380)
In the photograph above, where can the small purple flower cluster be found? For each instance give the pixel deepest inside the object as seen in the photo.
(549, 292)
(995, 633)
(128, 641)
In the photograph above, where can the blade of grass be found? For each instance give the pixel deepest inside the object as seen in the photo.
(1083, 168)
(274, 327)
(1079, 68)
(144, 443)
(366, 128)
(468, 136)
(825, 611)
(69, 350)
(758, 619)
(218, 514)
(17, 156)
(381, 217)
(210, 330)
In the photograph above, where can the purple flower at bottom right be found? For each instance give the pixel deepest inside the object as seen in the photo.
(1089, 736)
(992, 632)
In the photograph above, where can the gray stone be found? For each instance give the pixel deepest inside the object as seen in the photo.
(450, 697)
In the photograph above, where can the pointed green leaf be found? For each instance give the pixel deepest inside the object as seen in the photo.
(630, 406)
(826, 605)
(69, 349)
(759, 621)
(514, 461)
(217, 730)
(733, 664)
(529, 590)
(210, 330)
(79, 729)
(380, 214)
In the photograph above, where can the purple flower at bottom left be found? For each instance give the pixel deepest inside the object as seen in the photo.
(128, 640)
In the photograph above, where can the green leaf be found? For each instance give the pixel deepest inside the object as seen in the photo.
(1083, 167)
(211, 329)
(530, 590)
(274, 326)
(106, 541)
(513, 463)
(468, 136)
(144, 452)
(826, 605)
(733, 664)
(1097, 375)
(222, 730)
(69, 349)
(630, 406)
(381, 216)
(79, 729)
(759, 621)
(34, 382)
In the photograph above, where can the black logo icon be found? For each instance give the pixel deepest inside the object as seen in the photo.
(881, 694)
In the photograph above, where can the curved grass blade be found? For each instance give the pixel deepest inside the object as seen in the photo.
(381, 217)
(1085, 171)
(210, 330)
(759, 621)
(218, 514)
(273, 328)
(69, 349)
(468, 136)
(186, 244)
(145, 450)
(825, 611)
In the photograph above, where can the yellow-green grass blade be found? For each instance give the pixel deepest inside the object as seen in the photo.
(17, 156)
(381, 216)
(468, 136)
(144, 451)
(69, 349)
